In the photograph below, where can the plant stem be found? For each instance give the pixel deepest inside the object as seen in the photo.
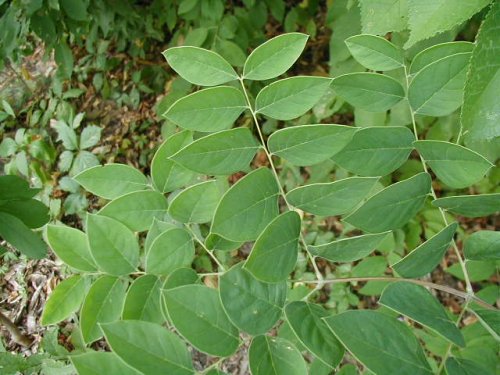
(209, 252)
(468, 285)
(16, 334)
(443, 288)
(319, 276)
(450, 345)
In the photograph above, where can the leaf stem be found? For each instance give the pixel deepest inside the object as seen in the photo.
(443, 288)
(468, 285)
(200, 242)
(319, 276)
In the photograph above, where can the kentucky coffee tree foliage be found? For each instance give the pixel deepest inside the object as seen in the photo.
(135, 282)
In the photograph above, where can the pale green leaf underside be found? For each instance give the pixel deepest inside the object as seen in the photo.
(430, 17)
(209, 110)
(247, 207)
(438, 52)
(274, 57)
(252, 305)
(332, 198)
(275, 356)
(305, 320)
(65, 299)
(374, 52)
(197, 203)
(197, 314)
(427, 256)
(382, 343)
(113, 246)
(136, 210)
(419, 304)
(455, 165)
(481, 105)
(221, 153)
(483, 245)
(437, 89)
(289, 98)
(309, 144)
(200, 66)
(349, 249)
(392, 207)
(376, 151)
(470, 205)
(112, 180)
(148, 347)
(372, 92)
(274, 254)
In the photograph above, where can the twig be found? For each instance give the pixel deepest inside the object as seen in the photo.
(16, 334)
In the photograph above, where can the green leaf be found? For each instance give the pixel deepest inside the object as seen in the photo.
(375, 53)
(462, 366)
(143, 300)
(392, 207)
(247, 207)
(417, 303)
(103, 304)
(274, 254)
(64, 58)
(430, 17)
(165, 173)
(455, 165)
(490, 319)
(98, 363)
(113, 246)
(136, 210)
(309, 144)
(382, 16)
(216, 242)
(349, 249)
(210, 110)
(332, 198)
(483, 79)
(32, 212)
(372, 92)
(15, 188)
(15, 232)
(221, 153)
(76, 10)
(274, 57)
(380, 342)
(170, 250)
(290, 98)
(112, 180)
(275, 356)
(427, 256)
(483, 245)
(438, 52)
(90, 136)
(157, 227)
(200, 66)
(438, 88)
(376, 151)
(197, 203)
(180, 277)
(252, 305)
(470, 205)
(64, 300)
(305, 320)
(148, 347)
(197, 314)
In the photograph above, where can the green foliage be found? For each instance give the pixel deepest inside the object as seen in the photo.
(196, 278)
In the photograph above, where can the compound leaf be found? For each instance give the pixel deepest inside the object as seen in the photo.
(197, 314)
(252, 305)
(200, 66)
(380, 342)
(376, 151)
(221, 153)
(290, 98)
(274, 57)
(247, 207)
(309, 144)
(209, 110)
(372, 92)
(470, 205)
(375, 52)
(332, 198)
(392, 207)
(419, 304)
(274, 254)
